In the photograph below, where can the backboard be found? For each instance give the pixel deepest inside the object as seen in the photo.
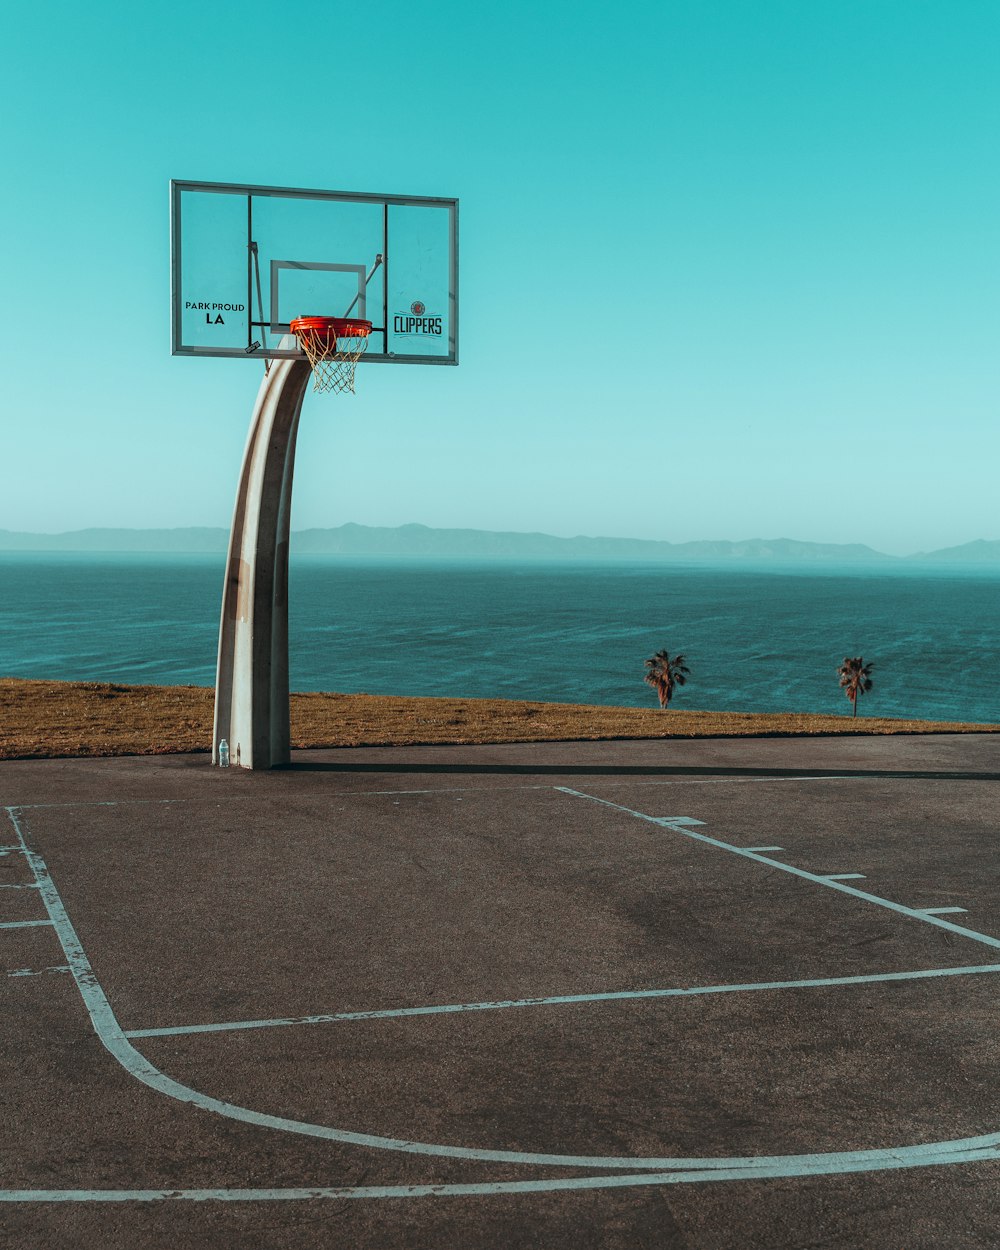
(246, 260)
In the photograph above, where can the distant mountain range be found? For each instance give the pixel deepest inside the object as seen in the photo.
(421, 540)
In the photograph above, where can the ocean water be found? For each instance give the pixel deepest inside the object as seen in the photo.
(769, 638)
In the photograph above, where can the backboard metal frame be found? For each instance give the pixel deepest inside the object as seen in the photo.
(267, 319)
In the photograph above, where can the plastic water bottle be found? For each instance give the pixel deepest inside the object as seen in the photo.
(223, 754)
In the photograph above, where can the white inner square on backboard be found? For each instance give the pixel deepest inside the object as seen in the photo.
(302, 288)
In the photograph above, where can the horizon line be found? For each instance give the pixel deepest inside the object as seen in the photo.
(846, 548)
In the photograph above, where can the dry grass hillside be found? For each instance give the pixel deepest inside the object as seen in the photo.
(46, 719)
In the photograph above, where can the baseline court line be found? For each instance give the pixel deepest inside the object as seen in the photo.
(25, 807)
(544, 785)
(23, 924)
(560, 1000)
(35, 972)
(675, 1170)
(450, 1189)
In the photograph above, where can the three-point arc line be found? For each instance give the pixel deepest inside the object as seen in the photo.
(646, 1171)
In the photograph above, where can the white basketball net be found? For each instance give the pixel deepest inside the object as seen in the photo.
(332, 360)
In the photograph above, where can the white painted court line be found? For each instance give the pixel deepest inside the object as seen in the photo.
(453, 1190)
(675, 1170)
(36, 972)
(545, 785)
(943, 911)
(606, 781)
(561, 1000)
(23, 924)
(25, 807)
(831, 883)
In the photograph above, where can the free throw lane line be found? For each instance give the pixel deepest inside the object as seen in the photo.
(834, 882)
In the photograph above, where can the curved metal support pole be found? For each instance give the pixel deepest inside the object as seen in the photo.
(251, 689)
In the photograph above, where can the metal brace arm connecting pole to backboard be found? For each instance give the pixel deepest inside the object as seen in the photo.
(371, 274)
(260, 305)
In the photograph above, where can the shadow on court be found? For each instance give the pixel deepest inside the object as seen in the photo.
(624, 770)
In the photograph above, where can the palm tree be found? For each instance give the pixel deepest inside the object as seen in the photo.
(665, 673)
(855, 677)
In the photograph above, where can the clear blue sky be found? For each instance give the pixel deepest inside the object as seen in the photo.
(728, 269)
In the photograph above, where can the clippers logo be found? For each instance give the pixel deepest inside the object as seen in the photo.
(417, 321)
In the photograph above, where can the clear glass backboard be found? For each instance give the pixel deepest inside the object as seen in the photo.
(246, 260)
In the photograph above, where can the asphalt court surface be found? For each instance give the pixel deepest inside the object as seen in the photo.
(713, 993)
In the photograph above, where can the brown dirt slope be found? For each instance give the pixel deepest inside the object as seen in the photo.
(47, 719)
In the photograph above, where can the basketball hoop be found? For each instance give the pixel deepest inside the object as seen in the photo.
(333, 346)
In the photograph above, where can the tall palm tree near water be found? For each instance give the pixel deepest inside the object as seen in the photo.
(665, 673)
(855, 677)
